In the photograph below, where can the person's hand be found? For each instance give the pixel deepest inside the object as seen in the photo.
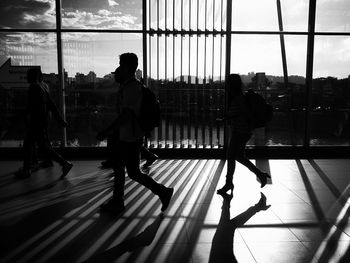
(261, 205)
(101, 135)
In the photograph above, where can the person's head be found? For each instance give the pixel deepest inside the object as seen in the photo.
(234, 84)
(34, 75)
(128, 63)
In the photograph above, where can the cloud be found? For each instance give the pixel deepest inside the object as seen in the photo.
(112, 3)
(102, 19)
(27, 14)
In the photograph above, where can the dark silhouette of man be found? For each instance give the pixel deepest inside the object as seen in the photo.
(126, 150)
(39, 107)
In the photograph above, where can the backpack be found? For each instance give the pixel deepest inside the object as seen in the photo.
(260, 112)
(150, 110)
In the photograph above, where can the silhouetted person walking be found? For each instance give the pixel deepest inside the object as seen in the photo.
(237, 117)
(126, 152)
(39, 106)
(112, 138)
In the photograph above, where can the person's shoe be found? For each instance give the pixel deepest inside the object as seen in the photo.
(22, 174)
(65, 169)
(46, 164)
(263, 178)
(223, 190)
(112, 206)
(106, 164)
(165, 197)
(150, 161)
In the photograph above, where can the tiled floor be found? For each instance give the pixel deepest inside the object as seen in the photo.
(43, 219)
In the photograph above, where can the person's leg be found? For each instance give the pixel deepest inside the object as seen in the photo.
(28, 144)
(46, 148)
(231, 166)
(116, 203)
(132, 155)
(111, 141)
(242, 140)
(148, 155)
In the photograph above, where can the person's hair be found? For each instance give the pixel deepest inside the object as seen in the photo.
(129, 60)
(34, 74)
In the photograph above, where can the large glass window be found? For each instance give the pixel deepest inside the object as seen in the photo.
(258, 59)
(331, 91)
(18, 52)
(184, 47)
(89, 59)
(257, 15)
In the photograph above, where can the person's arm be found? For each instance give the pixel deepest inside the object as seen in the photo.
(54, 110)
(124, 116)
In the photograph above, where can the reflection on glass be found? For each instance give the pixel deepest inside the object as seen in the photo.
(331, 91)
(259, 15)
(258, 60)
(333, 15)
(18, 52)
(89, 60)
(27, 14)
(102, 14)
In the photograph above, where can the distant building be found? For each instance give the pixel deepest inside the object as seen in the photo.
(77, 56)
(13, 77)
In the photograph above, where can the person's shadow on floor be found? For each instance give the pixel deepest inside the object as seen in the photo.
(143, 239)
(222, 244)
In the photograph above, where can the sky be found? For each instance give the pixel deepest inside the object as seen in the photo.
(249, 53)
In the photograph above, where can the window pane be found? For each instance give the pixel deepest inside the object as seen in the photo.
(81, 14)
(263, 15)
(21, 14)
(186, 72)
(89, 60)
(333, 15)
(259, 62)
(18, 52)
(331, 91)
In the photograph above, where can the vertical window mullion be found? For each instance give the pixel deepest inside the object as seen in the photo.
(174, 86)
(189, 87)
(309, 69)
(197, 88)
(205, 75)
(227, 57)
(61, 70)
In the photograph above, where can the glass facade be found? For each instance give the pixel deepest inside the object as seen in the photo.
(185, 49)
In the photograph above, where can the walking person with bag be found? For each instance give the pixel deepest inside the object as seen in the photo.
(239, 120)
(130, 129)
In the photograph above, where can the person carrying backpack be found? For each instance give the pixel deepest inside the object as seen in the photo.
(239, 119)
(126, 150)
